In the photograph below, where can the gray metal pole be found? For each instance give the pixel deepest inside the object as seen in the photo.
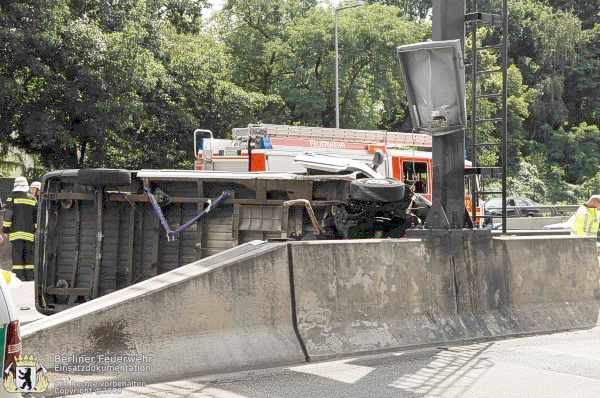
(337, 62)
(448, 150)
(337, 83)
(474, 66)
(504, 110)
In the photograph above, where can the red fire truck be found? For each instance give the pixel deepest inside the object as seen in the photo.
(269, 147)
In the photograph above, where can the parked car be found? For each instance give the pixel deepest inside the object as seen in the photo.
(562, 225)
(515, 207)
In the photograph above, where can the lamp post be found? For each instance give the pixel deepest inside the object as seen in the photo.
(337, 62)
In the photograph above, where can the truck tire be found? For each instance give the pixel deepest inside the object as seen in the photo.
(110, 177)
(377, 190)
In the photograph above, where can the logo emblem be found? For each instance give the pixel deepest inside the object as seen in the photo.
(25, 374)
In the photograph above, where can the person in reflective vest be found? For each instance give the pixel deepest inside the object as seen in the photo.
(586, 221)
(20, 225)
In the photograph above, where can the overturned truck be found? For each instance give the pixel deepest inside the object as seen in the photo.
(102, 230)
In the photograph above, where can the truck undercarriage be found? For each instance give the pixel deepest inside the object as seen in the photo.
(99, 231)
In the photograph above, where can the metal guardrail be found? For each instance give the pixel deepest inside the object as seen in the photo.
(554, 210)
(532, 232)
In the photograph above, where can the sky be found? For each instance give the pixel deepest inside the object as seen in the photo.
(217, 4)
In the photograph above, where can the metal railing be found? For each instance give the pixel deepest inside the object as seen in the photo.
(522, 211)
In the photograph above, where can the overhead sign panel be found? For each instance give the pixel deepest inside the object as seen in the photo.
(434, 78)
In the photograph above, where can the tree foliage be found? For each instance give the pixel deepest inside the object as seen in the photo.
(95, 83)
(124, 83)
(411, 8)
(371, 93)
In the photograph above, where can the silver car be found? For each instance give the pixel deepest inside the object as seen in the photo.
(565, 225)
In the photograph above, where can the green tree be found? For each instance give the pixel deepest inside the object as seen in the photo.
(410, 8)
(296, 61)
(589, 187)
(115, 86)
(198, 93)
(582, 86)
(105, 83)
(588, 11)
(576, 150)
(247, 28)
(29, 31)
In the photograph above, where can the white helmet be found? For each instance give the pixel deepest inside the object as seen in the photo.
(36, 184)
(21, 182)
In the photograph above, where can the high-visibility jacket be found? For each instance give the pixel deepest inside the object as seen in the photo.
(20, 216)
(586, 222)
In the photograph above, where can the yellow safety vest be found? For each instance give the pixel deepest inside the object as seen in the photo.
(586, 222)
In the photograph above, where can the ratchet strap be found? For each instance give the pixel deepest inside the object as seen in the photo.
(171, 235)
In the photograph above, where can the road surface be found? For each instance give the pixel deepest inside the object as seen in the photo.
(559, 365)
(24, 299)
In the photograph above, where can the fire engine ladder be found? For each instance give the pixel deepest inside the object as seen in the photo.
(473, 21)
(367, 137)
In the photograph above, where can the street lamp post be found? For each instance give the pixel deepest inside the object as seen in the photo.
(337, 61)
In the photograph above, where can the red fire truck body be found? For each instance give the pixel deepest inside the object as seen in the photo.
(274, 148)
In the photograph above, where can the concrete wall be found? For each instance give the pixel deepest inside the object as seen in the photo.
(553, 281)
(358, 296)
(532, 222)
(229, 312)
(240, 309)
(354, 296)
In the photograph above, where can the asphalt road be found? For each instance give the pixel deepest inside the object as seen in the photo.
(24, 299)
(558, 365)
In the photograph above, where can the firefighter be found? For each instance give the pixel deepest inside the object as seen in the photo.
(586, 221)
(20, 224)
(34, 189)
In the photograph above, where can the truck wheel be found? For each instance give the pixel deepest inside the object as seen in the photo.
(111, 177)
(377, 190)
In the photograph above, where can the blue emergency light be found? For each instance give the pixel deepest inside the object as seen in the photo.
(265, 142)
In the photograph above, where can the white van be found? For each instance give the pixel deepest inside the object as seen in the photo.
(10, 335)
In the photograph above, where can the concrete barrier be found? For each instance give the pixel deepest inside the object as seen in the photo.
(277, 303)
(532, 223)
(553, 281)
(365, 296)
(359, 296)
(225, 313)
(530, 285)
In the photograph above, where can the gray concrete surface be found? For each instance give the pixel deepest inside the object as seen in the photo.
(24, 299)
(550, 366)
(235, 310)
(377, 295)
(532, 222)
(229, 311)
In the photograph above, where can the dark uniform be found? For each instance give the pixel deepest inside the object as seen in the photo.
(20, 225)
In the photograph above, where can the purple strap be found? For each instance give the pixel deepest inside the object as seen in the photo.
(171, 234)
(158, 211)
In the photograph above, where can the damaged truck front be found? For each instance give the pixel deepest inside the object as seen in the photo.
(102, 230)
